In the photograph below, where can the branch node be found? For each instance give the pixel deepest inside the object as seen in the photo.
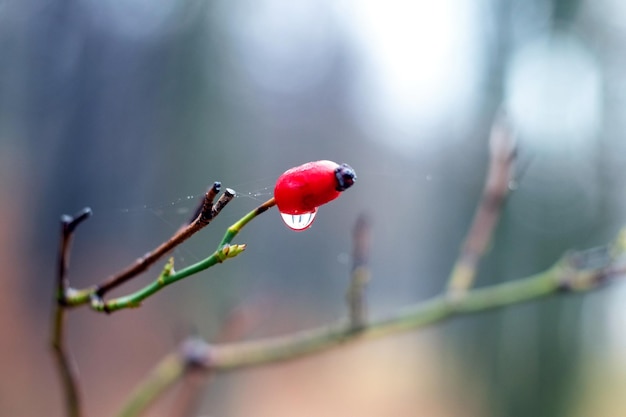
(196, 353)
(97, 303)
(168, 270)
(64, 295)
(229, 251)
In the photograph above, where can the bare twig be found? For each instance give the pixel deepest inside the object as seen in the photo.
(205, 203)
(502, 155)
(65, 361)
(207, 213)
(361, 240)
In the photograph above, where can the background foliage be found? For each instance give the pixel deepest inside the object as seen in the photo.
(131, 107)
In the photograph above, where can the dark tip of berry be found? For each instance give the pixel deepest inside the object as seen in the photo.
(345, 176)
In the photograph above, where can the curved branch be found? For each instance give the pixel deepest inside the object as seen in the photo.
(568, 275)
(561, 278)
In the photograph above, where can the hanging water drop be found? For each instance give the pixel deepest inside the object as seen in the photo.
(299, 222)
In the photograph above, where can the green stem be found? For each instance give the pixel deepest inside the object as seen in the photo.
(233, 230)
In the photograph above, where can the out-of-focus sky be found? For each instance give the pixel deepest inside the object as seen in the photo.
(134, 107)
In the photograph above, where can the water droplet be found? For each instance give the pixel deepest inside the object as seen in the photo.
(299, 222)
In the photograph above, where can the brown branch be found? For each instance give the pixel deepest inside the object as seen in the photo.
(64, 359)
(206, 214)
(502, 156)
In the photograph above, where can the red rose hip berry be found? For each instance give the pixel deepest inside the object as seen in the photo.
(299, 191)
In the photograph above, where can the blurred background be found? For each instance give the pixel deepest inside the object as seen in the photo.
(134, 107)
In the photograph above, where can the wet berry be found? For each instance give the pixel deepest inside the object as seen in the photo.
(299, 191)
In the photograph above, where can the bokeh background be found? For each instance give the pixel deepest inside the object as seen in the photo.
(134, 107)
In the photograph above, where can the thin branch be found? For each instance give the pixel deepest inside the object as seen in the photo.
(361, 241)
(561, 278)
(205, 203)
(191, 357)
(168, 276)
(189, 395)
(207, 213)
(236, 228)
(566, 276)
(171, 368)
(65, 362)
(502, 156)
